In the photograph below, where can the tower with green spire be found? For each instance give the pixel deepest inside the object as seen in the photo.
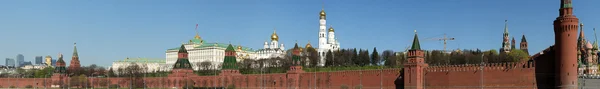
(182, 59)
(74, 66)
(230, 66)
(60, 72)
(60, 65)
(230, 61)
(296, 55)
(524, 45)
(414, 66)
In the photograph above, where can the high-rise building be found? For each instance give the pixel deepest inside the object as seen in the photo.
(10, 62)
(53, 62)
(20, 60)
(38, 60)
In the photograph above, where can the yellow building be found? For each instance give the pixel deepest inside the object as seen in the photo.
(48, 60)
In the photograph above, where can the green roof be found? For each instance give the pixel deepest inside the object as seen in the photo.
(183, 50)
(523, 39)
(143, 60)
(75, 50)
(230, 61)
(416, 45)
(221, 45)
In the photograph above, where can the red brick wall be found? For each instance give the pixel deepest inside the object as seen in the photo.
(500, 75)
(518, 75)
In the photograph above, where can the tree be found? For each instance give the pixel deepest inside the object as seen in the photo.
(339, 57)
(329, 59)
(389, 58)
(366, 60)
(111, 72)
(517, 55)
(313, 57)
(355, 59)
(375, 59)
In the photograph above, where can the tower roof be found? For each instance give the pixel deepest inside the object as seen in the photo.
(182, 49)
(60, 59)
(274, 36)
(308, 45)
(565, 4)
(523, 38)
(505, 26)
(415, 44)
(229, 48)
(75, 54)
(331, 29)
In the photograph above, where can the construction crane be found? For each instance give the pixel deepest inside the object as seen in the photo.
(445, 39)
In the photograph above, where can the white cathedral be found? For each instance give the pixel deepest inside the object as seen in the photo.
(327, 41)
(271, 50)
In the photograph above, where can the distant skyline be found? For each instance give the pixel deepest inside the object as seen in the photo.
(110, 30)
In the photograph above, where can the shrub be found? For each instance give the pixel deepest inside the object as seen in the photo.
(28, 86)
(231, 87)
(358, 87)
(12, 86)
(344, 86)
(114, 86)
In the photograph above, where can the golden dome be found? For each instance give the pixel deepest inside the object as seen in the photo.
(322, 14)
(308, 45)
(274, 36)
(197, 36)
(331, 29)
(239, 47)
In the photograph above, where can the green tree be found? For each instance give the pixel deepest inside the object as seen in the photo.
(389, 58)
(44, 73)
(111, 72)
(517, 55)
(313, 56)
(355, 59)
(329, 59)
(375, 59)
(364, 57)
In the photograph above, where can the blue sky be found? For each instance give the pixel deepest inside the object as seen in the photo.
(109, 30)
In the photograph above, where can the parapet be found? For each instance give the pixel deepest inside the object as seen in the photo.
(478, 67)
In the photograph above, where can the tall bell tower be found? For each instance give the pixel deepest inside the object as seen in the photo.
(565, 36)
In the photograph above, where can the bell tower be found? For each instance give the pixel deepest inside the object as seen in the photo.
(565, 35)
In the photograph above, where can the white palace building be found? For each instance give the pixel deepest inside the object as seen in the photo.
(199, 51)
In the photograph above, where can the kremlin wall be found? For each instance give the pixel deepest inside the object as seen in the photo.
(540, 72)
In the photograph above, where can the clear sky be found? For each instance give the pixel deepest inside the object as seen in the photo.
(109, 30)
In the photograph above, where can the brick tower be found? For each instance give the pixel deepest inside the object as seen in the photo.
(59, 76)
(524, 45)
(296, 68)
(413, 69)
(565, 35)
(74, 66)
(182, 67)
(230, 62)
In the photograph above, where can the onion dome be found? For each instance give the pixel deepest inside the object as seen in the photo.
(239, 47)
(331, 29)
(588, 45)
(274, 36)
(322, 14)
(308, 45)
